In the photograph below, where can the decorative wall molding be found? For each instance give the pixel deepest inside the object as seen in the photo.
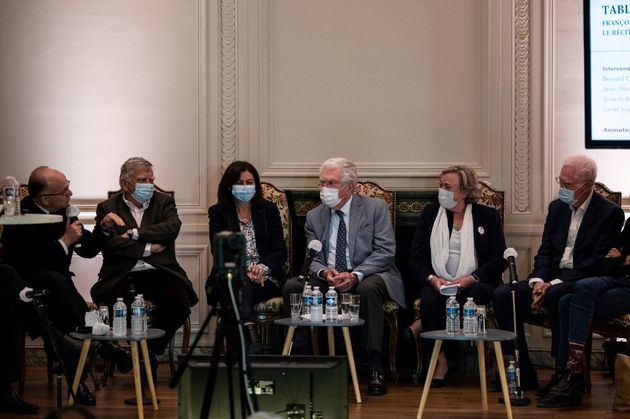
(229, 74)
(521, 178)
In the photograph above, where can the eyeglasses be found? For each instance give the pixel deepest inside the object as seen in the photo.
(571, 186)
(65, 192)
(330, 184)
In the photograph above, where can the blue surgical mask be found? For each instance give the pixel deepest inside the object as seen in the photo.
(567, 196)
(143, 192)
(446, 198)
(243, 193)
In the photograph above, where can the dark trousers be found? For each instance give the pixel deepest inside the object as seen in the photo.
(65, 306)
(372, 291)
(502, 304)
(433, 308)
(597, 299)
(252, 294)
(165, 292)
(10, 315)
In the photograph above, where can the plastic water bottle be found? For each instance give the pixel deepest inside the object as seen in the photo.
(145, 314)
(511, 379)
(137, 316)
(306, 302)
(452, 316)
(331, 305)
(120, 318)
(470, 317)
(317, 305)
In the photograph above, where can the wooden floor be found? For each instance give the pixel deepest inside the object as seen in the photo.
(461, 400)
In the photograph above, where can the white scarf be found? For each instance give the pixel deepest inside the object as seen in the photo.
(440, 237)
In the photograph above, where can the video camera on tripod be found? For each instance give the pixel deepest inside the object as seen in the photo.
(229, 265)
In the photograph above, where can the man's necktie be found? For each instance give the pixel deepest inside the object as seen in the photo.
(341, 265)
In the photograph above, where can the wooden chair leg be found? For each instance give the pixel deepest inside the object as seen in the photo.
(185, 343)
(392, 321)
(588, 349)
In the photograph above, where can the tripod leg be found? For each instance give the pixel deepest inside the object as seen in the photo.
(212, 375)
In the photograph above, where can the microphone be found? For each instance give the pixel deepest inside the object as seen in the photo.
(27, 294)
(72, 212)
(314, 246)
(510, 255)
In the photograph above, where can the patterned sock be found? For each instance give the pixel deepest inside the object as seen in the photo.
(575, 363)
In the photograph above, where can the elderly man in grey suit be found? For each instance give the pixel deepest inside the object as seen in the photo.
(357, 254)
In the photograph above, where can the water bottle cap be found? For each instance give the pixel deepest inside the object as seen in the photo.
(119, 298)
(469, 298)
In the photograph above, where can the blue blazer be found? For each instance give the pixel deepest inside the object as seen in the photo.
(597, 234)
(489, 244)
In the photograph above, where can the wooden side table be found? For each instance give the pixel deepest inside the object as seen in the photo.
(344, 325)
(133, 340)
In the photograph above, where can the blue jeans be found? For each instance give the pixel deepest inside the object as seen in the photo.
(599, 299)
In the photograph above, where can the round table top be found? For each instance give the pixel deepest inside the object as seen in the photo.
(27, 219)
(288, 321)
(491, 335)
(148, 335)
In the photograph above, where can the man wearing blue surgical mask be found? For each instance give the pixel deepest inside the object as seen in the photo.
(140, 226)
(580, 228)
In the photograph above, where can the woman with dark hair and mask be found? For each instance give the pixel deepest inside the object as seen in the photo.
(457, 242)
(241, 208)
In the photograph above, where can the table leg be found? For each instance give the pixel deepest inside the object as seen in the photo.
(353, 370)
(149, 372)
(482, 373)
(427, 382)
(77, 375)
(288, 340)
(331, 341)
(136, 377)
(504, 387)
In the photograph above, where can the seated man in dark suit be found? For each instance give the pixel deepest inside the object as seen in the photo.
(580, 228)
(12, 314)
(139, 228)
(41, 254)
(360, 260)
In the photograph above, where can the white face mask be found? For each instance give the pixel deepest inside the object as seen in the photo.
(446, 198)
(330, 197)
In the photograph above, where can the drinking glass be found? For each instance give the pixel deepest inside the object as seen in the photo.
(296, 305)
(345, 305)
(103, 313)
(354, 307)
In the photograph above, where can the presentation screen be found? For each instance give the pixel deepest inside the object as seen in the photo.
(607, 73)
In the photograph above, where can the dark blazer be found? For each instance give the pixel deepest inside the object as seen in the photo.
(597, 234)
(31, 249)
(615, 266)
(160, 225)
(489, 244)
(270, 243)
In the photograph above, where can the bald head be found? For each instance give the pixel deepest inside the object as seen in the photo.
(49, 188)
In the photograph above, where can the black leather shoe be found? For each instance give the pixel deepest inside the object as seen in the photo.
(438, 382)
(567, 392)
(555, 378)
(11, 402)
(377, 386)
(117, 354)
(85, 396)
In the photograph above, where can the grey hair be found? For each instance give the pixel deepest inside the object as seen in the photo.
(468, 181)
(131, 165)
(349, 168)
(585, 167)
